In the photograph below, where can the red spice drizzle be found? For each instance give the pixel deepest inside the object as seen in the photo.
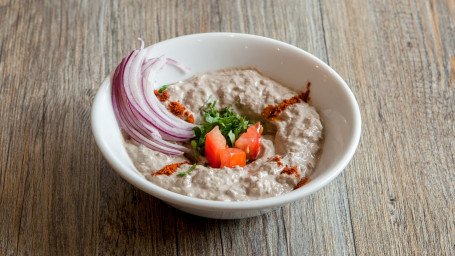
(290, 171)
(189, 117)
(176, 108)
(277, 159)
(163, 96)
(169, 169)
(273, 111)
(305, 96)
(302, 182)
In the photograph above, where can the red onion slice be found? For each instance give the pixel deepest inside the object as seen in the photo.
(178, 64)
(139, 112)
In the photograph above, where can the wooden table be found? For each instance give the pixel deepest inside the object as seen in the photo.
(58, 196)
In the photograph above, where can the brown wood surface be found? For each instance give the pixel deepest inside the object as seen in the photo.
(58, 196)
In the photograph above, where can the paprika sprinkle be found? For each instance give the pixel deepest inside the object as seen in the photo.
(189, 117)
(305, 96)
(272, 111)
(176, 108)
(302, 182)
(290, 171)
(163, 96)
(169, 169)
(277, 159)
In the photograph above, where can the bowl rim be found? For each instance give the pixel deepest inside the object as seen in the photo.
(231, 206)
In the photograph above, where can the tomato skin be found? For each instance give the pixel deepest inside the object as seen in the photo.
(231, 157)
(250, 141)
(214, 142)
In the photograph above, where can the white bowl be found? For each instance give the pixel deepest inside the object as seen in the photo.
(290, 65)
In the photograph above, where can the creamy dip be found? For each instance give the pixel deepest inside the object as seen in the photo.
(295, 136)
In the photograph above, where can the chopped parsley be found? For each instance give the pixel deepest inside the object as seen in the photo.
(231, 125)
(189, 170)
(163, 88)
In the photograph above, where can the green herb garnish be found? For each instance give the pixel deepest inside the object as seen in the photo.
(163, 88)
(189, 170)
(231, 125)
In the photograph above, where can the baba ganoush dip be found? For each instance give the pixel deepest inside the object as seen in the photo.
(289, 149)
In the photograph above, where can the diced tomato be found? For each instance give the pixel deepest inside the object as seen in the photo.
(231, 157)
(214, 142)
(250, 141)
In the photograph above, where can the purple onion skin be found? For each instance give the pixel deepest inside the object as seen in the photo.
(143, 119)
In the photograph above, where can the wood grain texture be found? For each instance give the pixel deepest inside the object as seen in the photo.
(58, 196)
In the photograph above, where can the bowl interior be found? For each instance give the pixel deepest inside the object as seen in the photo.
(287, 64)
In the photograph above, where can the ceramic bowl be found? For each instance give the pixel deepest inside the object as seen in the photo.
(292, 66)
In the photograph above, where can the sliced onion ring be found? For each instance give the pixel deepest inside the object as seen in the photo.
(139, 112)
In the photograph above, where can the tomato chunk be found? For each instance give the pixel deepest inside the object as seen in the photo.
(231, 157)
(250, 141)
(214, 142)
